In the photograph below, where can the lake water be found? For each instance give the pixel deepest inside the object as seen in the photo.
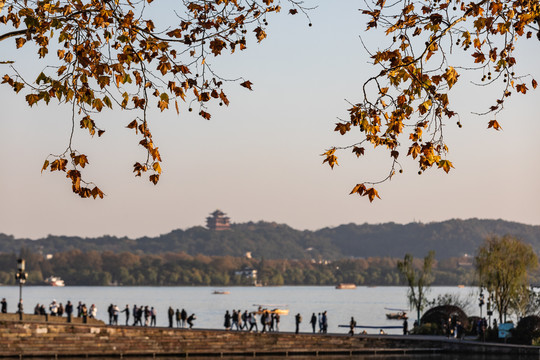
(366, 304)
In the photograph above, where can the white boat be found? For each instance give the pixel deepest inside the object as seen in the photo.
(54, 281)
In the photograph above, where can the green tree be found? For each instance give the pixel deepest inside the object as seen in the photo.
(418, 279)
(502, 265)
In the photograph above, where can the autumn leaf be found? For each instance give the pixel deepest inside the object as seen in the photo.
(342, 128)
(359, 151)
(247, 84)
(522, 88)
(494, 124)
(371, 193)
(358, 189)
(205, 115)
(96, 192)
(132, 125)
(414, 150)
(154, 178)
(45, 165)
(445, 165)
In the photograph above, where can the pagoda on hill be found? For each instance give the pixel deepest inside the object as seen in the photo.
(218, 221)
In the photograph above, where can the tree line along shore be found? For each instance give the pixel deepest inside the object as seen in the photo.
(77, 267)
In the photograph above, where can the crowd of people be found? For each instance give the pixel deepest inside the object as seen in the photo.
(144, 315)
(247, 321)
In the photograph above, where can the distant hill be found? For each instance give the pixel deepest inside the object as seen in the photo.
(450, 238)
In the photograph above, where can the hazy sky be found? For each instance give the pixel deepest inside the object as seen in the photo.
(259, 159)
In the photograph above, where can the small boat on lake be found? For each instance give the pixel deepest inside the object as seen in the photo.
(342, 286)
(54, 281)
(272, 309)
(399, 314)
(220, 292)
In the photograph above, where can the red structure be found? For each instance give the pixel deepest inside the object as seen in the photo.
(218, 221)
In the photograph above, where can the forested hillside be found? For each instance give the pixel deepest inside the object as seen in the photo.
(451, 238)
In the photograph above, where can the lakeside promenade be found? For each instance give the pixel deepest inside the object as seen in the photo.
(34, 337)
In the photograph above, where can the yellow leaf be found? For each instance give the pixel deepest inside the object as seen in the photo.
(157, 167)
(445, 165)
(358, 189)
(45, 165)
(371, 193)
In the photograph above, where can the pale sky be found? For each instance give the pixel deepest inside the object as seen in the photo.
(259, 158)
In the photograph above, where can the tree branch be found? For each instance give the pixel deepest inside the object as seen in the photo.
(15, 33)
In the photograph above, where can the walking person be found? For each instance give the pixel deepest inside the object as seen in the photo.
(171, 315)
(297, 320)
(93, 311)
(245, 319)
(264, 320)
(126, 310)
(153, 315)
(146, 315)
(325, 322)
(184, 317)
(405, 327)
(84, 313)
(313, 322)
(253, 322)
(227, 322)
(4, 305)
(116, 312)
(234, 320)
(69, 310)
(79, 309)
(240, 324)
(177, 316)
(277, 319)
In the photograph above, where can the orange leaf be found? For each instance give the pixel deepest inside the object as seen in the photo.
(371, 193)
(494, 124)
(247, 84)
(45, 165)
(358, 189)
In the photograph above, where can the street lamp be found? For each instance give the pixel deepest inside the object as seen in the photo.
(20, 276)
(481, 301)
(489, 310)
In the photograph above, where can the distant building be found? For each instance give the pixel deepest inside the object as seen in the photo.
(465, 261)
(218, 221)
(247, 272)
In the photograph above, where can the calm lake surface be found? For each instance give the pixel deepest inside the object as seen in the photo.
(366, 304)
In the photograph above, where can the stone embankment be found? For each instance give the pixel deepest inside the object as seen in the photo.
(31, 338)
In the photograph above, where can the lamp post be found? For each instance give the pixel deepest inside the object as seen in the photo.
(481, 301)
(489, 311)
(20, 276)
